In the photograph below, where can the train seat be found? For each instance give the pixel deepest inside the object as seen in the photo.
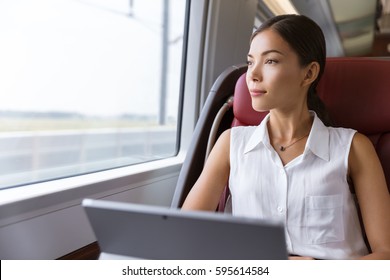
(356, 94)
(354, 90)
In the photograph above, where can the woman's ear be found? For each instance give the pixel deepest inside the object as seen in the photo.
(312, 71)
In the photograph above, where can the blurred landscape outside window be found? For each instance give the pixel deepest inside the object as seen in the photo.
(87, 85)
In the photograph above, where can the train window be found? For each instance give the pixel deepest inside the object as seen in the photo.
(87, 85)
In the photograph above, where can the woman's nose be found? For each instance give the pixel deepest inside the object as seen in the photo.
(254, 73)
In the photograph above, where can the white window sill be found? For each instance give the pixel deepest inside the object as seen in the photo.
(37, 199)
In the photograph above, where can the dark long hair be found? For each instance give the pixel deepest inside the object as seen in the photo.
(305, 37)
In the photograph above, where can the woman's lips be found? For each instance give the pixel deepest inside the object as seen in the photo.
(257, 92)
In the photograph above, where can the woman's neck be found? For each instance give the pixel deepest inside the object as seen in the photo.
(285, 127)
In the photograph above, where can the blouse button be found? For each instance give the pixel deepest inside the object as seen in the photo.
(280, 209)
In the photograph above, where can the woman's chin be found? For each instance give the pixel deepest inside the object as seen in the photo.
(260, 109)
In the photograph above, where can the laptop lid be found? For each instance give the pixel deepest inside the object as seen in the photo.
(125, 230)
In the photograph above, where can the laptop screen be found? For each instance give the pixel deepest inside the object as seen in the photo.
(125, 230)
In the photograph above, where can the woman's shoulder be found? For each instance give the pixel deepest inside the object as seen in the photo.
(362, 143)
(244, 129)
(341, 134)
(242, 132)
(341, 130)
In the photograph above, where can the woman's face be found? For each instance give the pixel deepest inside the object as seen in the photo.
(274, 77)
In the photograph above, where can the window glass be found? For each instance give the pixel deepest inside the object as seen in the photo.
(87, 85)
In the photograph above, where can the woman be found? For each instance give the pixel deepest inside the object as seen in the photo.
(293, 168)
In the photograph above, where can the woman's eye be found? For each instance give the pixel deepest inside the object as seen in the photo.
(271, 61)
(248, 62)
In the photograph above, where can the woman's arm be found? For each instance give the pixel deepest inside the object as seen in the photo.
(207, 191)
(373, 196)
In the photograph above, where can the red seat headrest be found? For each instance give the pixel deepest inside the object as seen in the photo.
(244, 114)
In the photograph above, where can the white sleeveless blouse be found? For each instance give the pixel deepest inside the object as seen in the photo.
(310, 195)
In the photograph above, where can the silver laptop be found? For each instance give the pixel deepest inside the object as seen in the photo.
(126, 231)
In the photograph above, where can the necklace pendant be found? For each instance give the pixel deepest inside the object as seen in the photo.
(282, 149)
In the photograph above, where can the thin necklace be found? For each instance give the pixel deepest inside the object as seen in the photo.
(283, 148)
